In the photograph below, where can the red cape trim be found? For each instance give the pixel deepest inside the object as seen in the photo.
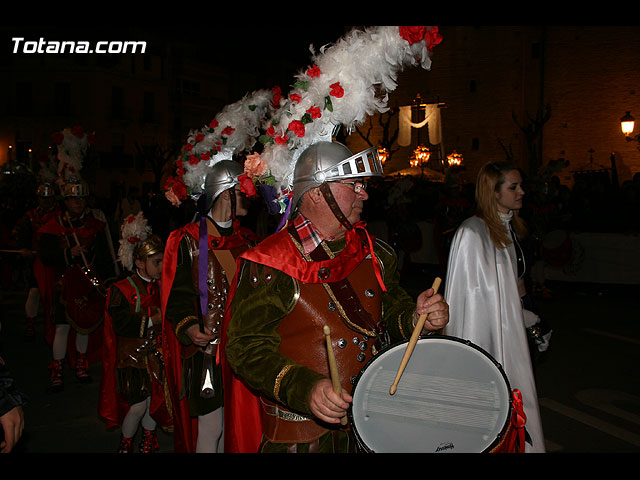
(279, 251)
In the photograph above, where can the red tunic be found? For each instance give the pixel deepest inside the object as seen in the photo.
(111, 406)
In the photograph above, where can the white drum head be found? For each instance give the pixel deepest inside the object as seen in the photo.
(452, 397)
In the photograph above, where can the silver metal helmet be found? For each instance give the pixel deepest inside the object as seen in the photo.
(45, 190)
(331, 161)
(75, 189)
(223, 175)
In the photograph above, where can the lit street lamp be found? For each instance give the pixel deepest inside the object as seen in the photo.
(455, 159)
(627, 124)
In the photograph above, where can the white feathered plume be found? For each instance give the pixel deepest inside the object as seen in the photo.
(348, 82)
(72, 145)
(235, 129)
(133, 231)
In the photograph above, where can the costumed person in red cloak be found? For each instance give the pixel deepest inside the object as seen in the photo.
(275, 336)
(201, 257)
(199, 264)
(322, 267)
(42, 279)
(132, 389)
(78, 245)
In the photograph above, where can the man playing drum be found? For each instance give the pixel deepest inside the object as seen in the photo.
(322, 269)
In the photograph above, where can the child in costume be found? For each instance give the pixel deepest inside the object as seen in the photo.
(133, 380)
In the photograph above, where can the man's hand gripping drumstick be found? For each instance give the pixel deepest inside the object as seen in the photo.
(328, 402)
(417, 331)
(333, 367)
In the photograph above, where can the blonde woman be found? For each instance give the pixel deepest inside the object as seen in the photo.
(484, 285)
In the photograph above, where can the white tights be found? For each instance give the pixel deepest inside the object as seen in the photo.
(210, 429)
(60, 342)
(138, 414)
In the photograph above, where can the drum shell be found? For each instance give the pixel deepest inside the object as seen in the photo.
(418, 432)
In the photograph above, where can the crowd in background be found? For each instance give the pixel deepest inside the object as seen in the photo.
(594, 203)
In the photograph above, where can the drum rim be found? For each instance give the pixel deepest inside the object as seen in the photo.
(463, 341)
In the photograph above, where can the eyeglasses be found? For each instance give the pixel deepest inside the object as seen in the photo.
(357, 186)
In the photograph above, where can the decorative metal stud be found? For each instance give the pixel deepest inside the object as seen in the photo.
(332, 306)
(361, 357)
(369, 293)
(342, 343)
(324, 273)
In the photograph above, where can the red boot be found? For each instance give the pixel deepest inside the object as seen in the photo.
(149, 443)
(55, 370)
(82, 368)
(126, 445)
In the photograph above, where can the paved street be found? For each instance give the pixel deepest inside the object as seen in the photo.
(587, 383)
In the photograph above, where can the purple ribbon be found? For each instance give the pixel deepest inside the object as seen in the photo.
(203, 265)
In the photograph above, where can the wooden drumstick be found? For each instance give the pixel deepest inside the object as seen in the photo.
(333, 367)
(412, 342)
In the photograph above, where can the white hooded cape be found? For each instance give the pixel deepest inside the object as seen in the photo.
(485, 308)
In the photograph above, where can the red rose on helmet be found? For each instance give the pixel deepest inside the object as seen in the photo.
(246, 186)
(313, 71)
(271, 131)
(314, 112)
(412, 34)
(337, 90)
(177, 186)
(297, 127)
(432, 38)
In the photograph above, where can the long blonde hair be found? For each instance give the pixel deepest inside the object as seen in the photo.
(489, 182)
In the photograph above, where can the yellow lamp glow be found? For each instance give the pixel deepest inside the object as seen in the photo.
(383, 154)
(627, 124)
(454, 159)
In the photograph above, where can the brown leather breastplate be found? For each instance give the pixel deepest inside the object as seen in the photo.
(302, 333)
(217, 289)
(304, 342)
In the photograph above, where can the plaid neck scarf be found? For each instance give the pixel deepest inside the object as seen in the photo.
(310, 237)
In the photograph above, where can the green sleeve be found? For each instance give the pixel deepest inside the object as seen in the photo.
(182, 304)
(253, 340)
(397, 305)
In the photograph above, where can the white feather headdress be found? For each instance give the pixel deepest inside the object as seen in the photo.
(348, 82)
(72, 145)
(133, 231)
(234, 130)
